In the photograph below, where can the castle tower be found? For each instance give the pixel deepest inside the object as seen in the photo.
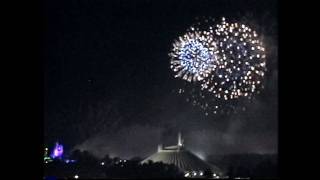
(160, 147)
(180, 140)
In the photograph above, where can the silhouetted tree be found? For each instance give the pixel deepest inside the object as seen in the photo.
(107, 160)
(231, 172)
(207, 173)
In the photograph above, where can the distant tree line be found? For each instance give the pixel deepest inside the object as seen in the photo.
(88, 166)
(247, 165)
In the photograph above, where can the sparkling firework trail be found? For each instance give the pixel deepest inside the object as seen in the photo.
(242, 65)
(227, 61)
(193, 55)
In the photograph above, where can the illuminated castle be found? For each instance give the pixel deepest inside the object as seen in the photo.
(185, 160)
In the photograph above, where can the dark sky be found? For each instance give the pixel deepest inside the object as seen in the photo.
(108, 86)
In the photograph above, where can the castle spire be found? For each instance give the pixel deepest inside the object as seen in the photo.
(160, 147)
(180, 141)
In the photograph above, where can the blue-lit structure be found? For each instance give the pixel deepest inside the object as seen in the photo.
(57, 151)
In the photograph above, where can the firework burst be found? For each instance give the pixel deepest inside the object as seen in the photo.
(241, 66)
(193, 55)
(224, 62)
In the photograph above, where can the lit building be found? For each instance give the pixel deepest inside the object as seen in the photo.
(57, 151)
(186, 161)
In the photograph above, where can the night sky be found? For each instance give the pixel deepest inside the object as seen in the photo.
(108, 87)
